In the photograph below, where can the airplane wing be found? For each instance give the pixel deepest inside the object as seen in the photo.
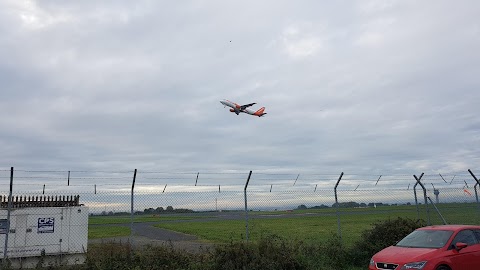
(243, 107)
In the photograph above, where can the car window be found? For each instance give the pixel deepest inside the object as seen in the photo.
(426, 239)
(465, 236)
(477, 233)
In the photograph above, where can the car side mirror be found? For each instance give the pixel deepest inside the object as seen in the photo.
(460, 245)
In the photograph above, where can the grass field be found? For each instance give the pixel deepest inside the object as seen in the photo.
(93, 220)
(309, 228)
(95, 232)
(115, 230)
(309, 225)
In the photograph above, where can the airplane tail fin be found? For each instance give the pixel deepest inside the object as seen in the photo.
(260, 112)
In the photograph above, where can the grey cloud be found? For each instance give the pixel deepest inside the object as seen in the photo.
(359, 86)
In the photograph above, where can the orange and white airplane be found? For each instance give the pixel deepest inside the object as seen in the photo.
(236, 108)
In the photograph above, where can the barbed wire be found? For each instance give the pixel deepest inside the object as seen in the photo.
(211, 179)
(236, 172)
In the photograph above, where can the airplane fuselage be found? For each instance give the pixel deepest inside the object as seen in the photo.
(230, 104)
(236, 108)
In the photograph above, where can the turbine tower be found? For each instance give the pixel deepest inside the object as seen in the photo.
(436, 192)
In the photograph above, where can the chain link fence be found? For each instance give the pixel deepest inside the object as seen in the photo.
(58, 213)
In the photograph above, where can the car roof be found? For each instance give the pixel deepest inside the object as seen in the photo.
(450, 227)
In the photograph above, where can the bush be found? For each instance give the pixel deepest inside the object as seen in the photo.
(120, 256)
(271, 252)
(330, 254)
(109, 256)
(335, 253)
(383, 234)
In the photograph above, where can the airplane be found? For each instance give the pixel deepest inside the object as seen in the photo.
(236, 108)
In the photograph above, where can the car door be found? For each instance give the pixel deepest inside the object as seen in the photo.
(467, 258)
(476, 255)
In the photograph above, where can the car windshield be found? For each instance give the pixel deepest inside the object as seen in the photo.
(425, 239)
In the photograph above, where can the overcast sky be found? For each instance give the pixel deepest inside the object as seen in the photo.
(356, 86)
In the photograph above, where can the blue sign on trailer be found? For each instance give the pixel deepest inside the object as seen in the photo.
(46, 225)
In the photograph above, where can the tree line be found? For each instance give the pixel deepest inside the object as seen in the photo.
(147, 211)
(349, 205)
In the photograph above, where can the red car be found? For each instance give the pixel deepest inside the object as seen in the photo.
(444, 247)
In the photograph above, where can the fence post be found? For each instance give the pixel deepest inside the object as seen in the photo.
(416, 200)
(475, 187)
(443, 178)
(424, 196)
(9, 209)
(131, 206)
(438, 211)
(296, 179)
(476, 196)
(378, 179)
(246, 208)
(338, 206)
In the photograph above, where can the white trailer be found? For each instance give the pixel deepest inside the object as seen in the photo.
(51, 232)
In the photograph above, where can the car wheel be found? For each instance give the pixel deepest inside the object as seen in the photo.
(443, 267)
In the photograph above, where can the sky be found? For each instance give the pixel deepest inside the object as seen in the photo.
(373, 86)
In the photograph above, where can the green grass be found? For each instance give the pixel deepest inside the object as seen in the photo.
(304, 228)
(316, 228)
(93, 220)
(307, 225)
(95, 232)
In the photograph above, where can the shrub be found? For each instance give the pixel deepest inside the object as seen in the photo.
(335, 253)
(330, 254)
(109, 256)
(381, 235)
(120, 256)
(271, 252)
